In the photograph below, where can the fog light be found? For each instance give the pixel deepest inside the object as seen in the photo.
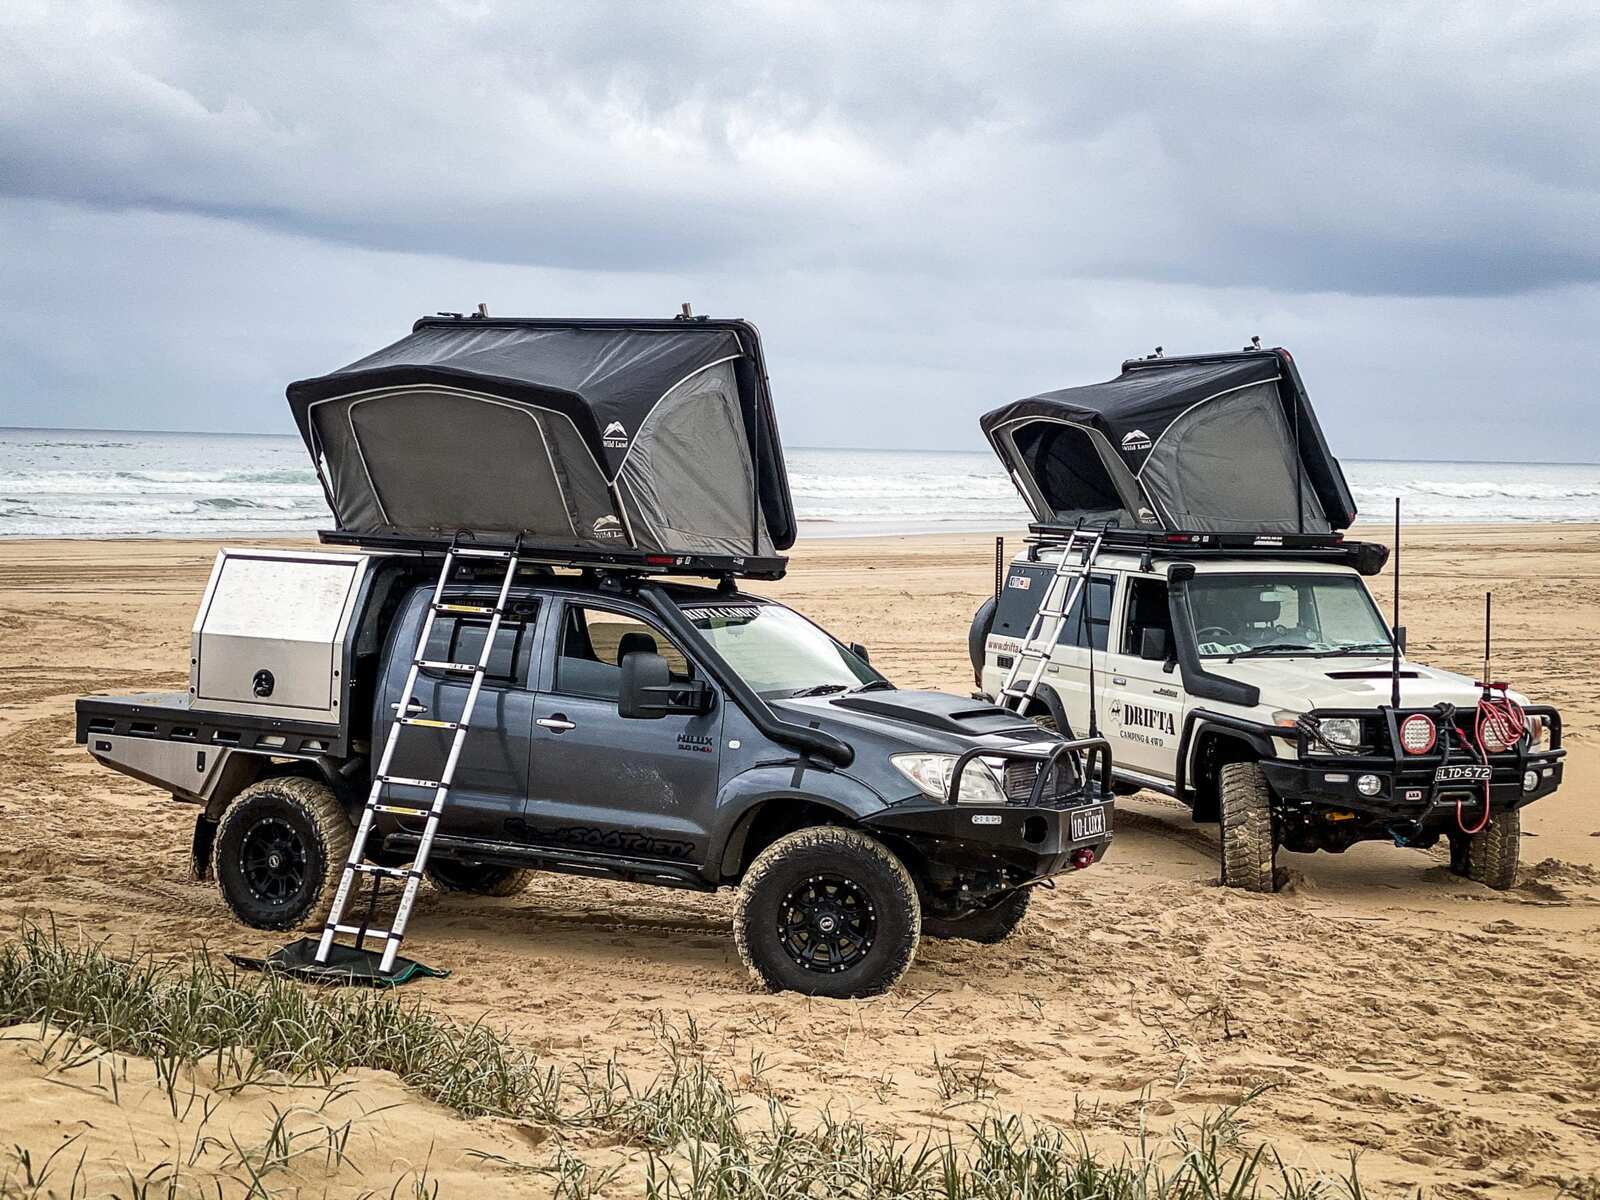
(1369, 785)
(1530, 780)
(1082, 858)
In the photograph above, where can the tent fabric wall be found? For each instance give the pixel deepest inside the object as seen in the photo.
(687, 479)
(1228, 465)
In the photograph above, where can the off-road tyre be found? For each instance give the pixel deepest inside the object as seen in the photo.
(1492, 853)
(988, 927)
(281, 848)
(1249, 850)
(477, 879)
(818, 873)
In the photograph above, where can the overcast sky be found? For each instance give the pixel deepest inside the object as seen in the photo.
(929, 210)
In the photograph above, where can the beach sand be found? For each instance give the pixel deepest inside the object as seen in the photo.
(1448, 1034)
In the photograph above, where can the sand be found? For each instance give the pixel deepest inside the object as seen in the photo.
(1448, 1034)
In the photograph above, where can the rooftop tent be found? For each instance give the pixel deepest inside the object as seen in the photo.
(650, 436)
(1224, 443)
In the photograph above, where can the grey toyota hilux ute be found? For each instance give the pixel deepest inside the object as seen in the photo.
(630, 729)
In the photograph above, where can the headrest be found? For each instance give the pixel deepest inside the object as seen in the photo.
(633, 643)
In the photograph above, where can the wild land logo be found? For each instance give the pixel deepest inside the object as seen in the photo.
(1146, 517)
(1136, 439)
(1138, 716)
(615, 437)
(608, 527)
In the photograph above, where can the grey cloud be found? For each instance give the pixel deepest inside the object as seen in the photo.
(1385, 150)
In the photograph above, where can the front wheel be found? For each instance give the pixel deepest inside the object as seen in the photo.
(1249, 849)
(281, 848)
(988, 926)
(1490, 856)
(827, 912)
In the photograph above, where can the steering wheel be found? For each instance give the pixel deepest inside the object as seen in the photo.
(1200, 634)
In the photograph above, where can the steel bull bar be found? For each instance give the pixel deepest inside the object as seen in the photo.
(1097, 748)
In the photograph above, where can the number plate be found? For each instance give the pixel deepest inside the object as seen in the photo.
(1471, 773)
(1090, 822)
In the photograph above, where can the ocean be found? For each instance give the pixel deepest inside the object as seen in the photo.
(91, 483)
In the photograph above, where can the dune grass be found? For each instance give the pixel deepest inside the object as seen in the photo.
(692, 1135)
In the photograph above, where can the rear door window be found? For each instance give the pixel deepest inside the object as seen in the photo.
(1024, 589)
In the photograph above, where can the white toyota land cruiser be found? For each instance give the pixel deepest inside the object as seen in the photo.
(1211, 612)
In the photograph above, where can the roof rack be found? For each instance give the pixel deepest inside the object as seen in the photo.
(1366, 557)
(711, 566)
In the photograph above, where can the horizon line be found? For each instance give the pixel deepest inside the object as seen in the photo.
(1529, 462)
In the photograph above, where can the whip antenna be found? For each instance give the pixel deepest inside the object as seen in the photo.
(1488, 622)
(1394, 634)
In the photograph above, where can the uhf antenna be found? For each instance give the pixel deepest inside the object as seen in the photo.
(1488, 622)
(1394, 636)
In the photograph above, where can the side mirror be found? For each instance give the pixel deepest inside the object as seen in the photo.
(1153, 645)
(1400, 637)
(648, 692)
(860, 651)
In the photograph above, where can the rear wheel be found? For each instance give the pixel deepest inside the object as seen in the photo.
(478, 879)
(828, 912)
(1249, 849)
(280, 850)
(1491, 854)
(987, 926)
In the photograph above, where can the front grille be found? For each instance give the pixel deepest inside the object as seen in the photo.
(1022, 773)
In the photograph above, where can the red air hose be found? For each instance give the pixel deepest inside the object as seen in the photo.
(1509, 722)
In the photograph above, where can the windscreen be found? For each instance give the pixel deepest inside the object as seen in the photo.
(1262, 615)
(777, 652)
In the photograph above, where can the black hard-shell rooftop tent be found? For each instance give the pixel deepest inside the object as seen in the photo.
(1224, 443)
(655, 437)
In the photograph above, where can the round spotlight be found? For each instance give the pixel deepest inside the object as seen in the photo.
(1417, 734)
(1369, 785)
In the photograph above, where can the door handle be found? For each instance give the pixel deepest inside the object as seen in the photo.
(556, 723)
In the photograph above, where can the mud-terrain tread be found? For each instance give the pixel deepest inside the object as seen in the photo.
(326, 816)
(1492, 853)
(989, 927)
(490, 881)
(1249, 850)
(826, 845)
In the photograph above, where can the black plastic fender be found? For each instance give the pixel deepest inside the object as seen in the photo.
(1199, 721)
(745, 796)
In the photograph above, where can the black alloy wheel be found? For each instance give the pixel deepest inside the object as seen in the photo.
(272, 860)
(827, 923)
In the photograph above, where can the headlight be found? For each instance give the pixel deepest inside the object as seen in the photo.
(931, 774)
(1343, 732)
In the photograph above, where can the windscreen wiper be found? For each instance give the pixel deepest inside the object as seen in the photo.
(819, 689)
(874, 685)
(1279, 648)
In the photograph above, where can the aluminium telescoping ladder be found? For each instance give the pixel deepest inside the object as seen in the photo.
(1078, 554)
(411, 873)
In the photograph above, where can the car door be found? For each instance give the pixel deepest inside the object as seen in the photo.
(491, 777)
(632, 788)
(1143, 711)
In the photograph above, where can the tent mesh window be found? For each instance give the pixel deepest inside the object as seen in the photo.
(1066, 465)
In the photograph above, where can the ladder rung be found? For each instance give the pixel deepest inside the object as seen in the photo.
(468, 552)
(434, 665)
(475, 609)
(407, 781)
(403, 811)
(430, 723)
(359, 932)
(387, 872)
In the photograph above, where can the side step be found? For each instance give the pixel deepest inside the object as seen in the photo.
(566, 862)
